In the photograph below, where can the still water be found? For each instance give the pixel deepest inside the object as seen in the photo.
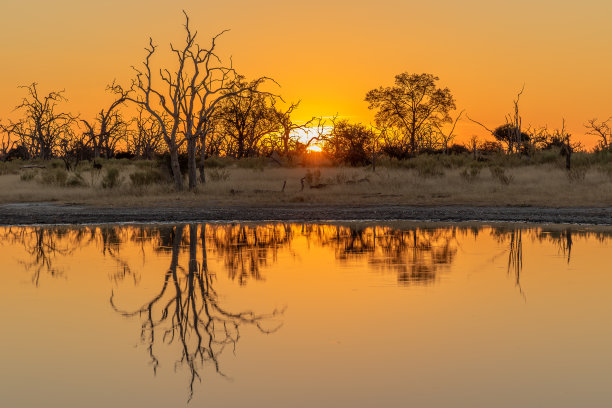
(305, 315)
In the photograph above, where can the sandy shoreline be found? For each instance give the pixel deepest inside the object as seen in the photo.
(50, 213)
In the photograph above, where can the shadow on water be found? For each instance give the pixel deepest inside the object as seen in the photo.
(186, 311)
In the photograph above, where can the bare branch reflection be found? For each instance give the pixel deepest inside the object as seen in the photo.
(187, 311)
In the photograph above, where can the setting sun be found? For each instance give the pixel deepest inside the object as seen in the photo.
(315, 148)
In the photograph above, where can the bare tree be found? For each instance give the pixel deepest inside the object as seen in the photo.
(287, 127)
(187, 97)
(146, 138)
(447, 136)
(602, 130)
(510, 133)
(108, 127)
(6, 142)
(514, 122)
(42, 127)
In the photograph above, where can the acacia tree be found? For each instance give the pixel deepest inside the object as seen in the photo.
(187, 97)
(43, 126)
(507, 134)
(414, 105)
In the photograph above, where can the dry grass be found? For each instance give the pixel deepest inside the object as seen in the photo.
(529, 185)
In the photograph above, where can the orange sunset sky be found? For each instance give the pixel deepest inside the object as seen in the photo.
(330, 53)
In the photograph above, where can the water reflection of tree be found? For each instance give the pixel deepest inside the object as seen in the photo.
(43, 245)
(247, 248)
(415, 254)
(187, 311)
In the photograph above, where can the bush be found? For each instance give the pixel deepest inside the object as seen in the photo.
(215, 161)
(76, 180)
(146, 177)
(576, 174)
(111, 179)
(547, 156)
(145, 164)
(500, 174)
(428, 167)
(471, 173)
(10, 167)
(57, 177)
(218, 174)
(57, 163)
(255, 163)
(28, 175)
(313, 178)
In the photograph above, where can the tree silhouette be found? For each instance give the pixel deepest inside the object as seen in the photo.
(43, 126)
(414, 105)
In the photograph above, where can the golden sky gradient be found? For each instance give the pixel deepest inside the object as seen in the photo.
(330, 53)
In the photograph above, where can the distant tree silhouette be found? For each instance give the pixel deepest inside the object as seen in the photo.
(43, 126)
(247, 117)
(107, 129)
(414, 105)
(601, 130)
(507, 134)
(6, 144)
(146, 138)
(287, 139)
(350, 143)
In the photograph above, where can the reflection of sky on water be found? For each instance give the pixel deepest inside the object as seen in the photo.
(359, 315)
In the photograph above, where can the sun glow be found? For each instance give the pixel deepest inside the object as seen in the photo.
(314, 148)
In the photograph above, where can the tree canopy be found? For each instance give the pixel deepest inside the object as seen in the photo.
(415, 106)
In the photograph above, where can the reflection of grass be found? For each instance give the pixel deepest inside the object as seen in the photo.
(543, 185)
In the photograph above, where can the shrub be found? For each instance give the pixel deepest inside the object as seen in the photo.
(428, 167)
(342, 178)
(255, 163)
(470, 174)
(576, 174)
(313, 178)
(76, 180)
(500, 174)
(606, 170)
(547, 156)
(57, 177)
(28, 175)
(146, 177)
(145, 164)
(215, 174)
(111, 179)
(10, 167)
(215, 161)
(57, 163)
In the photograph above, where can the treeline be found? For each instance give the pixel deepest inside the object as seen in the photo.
(202, 107)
